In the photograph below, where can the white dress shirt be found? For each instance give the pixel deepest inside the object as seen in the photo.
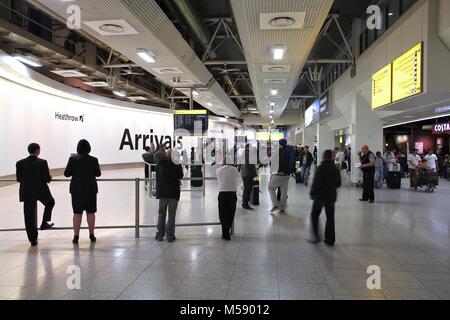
(227, 178)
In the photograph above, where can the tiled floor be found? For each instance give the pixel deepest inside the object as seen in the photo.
(405, 233)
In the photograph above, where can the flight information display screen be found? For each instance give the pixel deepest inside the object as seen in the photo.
(192, 121)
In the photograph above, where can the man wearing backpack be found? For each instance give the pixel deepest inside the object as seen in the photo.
(308, 159)
(281, 178)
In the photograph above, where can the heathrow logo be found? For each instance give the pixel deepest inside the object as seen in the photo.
(68, 117)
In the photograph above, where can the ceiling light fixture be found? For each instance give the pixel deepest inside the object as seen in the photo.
(271, 111)
(195, 93)
(120, 93)
(272, 104)
(146, 55)
(273, 92)
(29, 60)
(209, 104)
(278, 51)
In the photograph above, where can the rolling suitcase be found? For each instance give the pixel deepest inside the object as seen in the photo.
(394, 180)
(196, 172)
(298, 177)
(255, 195)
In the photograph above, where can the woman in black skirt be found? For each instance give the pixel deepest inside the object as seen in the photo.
(83, 169)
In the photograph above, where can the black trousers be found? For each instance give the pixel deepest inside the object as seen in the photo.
(227, 210)
(30, 212)
(317, 207)
(248, 184)
(368, 185)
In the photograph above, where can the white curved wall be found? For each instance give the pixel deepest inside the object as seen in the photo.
(28, 115)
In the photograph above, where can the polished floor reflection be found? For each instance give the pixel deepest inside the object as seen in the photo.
(405, 233)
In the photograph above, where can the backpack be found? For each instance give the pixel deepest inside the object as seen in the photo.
(291, 158)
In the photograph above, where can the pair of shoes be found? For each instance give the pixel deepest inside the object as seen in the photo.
(171, 239)
(371, 201)
(34, 243)
(329, 243)
(75, 239)
(362, 199)
(46, 226)
(306, 184)
(92, 237)
(226, 237)
(275, 209)
(159, 238)
(247, 207)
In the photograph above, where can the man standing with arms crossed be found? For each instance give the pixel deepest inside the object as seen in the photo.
(367, 159)
(33, 175)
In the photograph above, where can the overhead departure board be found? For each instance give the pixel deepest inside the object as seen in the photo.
(193, 121)
(382, 87)
(407, 74)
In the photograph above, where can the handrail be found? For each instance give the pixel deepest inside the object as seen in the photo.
(137, 226)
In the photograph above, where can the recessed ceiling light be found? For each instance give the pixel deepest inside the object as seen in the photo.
(282, 22)
(146, 55)
(278, 52)
(69, 73)
(195, 93)
(209, 104)
(273, 92)
(272, 104)
(138, 98)
(227, 117)
(275, 81)
(97, 84)
(120, 93)
(117, 27)
(29, 60)
(276, 68)
(168, 70)
(391, 13)
(271, 111)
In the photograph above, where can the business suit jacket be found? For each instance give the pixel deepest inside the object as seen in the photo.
(33, 175)
(83, 169)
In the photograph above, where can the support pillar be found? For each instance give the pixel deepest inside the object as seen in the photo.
(325, 140)
(309, 137)
(365, 128)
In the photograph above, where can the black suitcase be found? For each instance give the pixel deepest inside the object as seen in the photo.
(196, 172)
(254, 197)
(394, 180)
(298, 177)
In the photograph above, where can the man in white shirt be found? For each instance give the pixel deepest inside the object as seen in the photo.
(227, 178)
(432, 160)
(413, 161)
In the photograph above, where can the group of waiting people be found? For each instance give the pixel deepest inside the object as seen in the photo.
(33, 174)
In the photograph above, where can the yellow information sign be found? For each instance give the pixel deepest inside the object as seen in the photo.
(190, 112)
(407, 74)
(382, 87)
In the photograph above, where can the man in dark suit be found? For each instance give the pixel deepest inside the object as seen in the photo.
(327, 180)
(33, 175)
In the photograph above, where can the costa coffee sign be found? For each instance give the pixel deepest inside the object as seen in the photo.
(441, 128)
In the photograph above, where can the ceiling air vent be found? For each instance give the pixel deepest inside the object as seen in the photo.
(275, 81)
(112, 27)
(69, 73)
(282, 20)
(168, 70)
(276, 68)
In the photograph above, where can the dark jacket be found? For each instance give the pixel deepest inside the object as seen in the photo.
(168, 180)
(308, 159)
(327, 180)
(283, 162)
(248, 169)
(33, 175)
(83, 169)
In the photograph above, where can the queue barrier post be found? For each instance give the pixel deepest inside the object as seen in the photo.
(137, 209)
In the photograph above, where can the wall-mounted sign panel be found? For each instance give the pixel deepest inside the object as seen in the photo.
(324, 106)
(312, 113)
(265, 136)
(441, 128)
(382, 87)
(407, 74)
(191, 121)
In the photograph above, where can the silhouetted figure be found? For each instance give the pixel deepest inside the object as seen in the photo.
(33, 175)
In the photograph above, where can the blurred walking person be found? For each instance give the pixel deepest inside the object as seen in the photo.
(327, 179)
(84, 170)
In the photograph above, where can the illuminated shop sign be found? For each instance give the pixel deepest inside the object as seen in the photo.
(441, 128)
